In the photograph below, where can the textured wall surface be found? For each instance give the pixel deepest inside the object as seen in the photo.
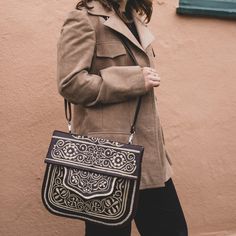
(196, 60)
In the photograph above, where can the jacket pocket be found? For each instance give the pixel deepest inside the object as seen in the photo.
(110, 49)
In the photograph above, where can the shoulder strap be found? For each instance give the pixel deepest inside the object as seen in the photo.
(67, 104)
(133, 127)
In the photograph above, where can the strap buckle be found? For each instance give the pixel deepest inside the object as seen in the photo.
(131, 137)
(69, 126)
(68, 113)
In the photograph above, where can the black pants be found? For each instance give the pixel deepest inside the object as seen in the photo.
(159, 214)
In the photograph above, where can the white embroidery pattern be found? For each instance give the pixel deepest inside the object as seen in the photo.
(109, 207)
(89, 155)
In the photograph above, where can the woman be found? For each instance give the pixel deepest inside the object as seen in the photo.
(98, 75)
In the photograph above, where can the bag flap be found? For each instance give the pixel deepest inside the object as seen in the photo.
(88, 184)
(95, 154)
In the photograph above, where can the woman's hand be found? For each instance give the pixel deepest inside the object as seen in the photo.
(151, 78)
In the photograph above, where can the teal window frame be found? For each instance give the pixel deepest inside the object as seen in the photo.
(214, 8)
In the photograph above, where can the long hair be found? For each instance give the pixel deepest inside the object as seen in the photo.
(142, 7)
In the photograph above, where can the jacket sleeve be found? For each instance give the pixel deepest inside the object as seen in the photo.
(75, 50)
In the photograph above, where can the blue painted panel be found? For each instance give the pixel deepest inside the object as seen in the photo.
(217, 8)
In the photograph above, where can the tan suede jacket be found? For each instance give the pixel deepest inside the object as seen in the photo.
(98, 75)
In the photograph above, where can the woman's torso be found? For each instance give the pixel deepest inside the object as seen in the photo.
(113, 120)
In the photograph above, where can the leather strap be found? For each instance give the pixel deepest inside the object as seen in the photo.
(133, 125)
(68, 115)
(132, 129)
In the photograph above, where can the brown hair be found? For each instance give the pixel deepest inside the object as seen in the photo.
(143, 7)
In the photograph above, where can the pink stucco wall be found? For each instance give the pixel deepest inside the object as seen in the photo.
(197, 64)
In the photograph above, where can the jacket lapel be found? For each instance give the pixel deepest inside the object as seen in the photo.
(145, 35)
(115, 23)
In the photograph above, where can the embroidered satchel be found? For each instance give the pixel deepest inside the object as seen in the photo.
(92, 178)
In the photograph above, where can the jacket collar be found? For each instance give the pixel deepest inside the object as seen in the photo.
(114, 22)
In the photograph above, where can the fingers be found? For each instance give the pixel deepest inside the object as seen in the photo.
(152, 73)
(154, 83)
(152, 79)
